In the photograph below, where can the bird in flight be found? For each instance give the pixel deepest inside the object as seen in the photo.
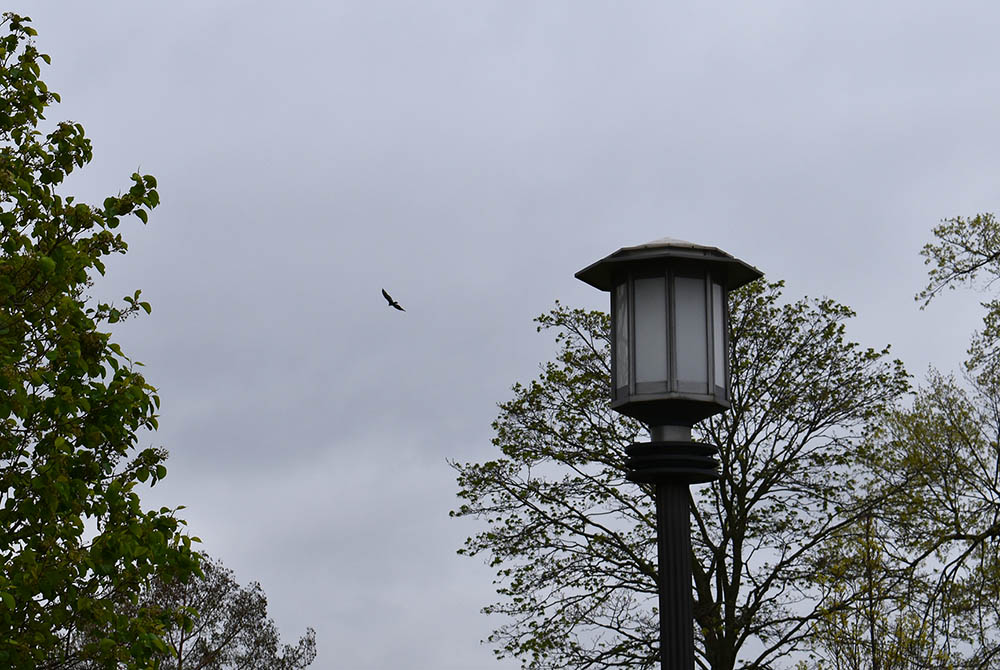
(392, 303)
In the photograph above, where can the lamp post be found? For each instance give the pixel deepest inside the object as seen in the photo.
(670, 369)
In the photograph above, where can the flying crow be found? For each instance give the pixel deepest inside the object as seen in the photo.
(392, 303)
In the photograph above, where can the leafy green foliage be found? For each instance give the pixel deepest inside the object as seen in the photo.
(216, 624)
(876, 620)
(922, 590)
(803, 396)
(965, 248)
(951, 440)
(229, 630)
(574, 543)
(73, 535)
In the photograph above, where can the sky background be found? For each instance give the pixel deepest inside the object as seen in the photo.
(470, 157)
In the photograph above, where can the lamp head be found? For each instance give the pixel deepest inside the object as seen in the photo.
(670, 328)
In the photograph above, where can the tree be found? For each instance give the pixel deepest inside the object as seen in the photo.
(952, 438)
(226, 627)
(74, 537)
(573, 542)
(931, 581)
(928, 578)
(231, 629)
(876, 620)
(966, 249)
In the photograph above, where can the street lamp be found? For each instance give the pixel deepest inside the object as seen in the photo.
(670, 369)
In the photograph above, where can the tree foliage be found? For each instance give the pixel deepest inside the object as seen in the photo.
(73, 536)
(875, 621)
(966, 248)
(967, 252)
(574, 543)
(924, 581)
(953, 440)
(941, 529)
(217, 625)
(927, 575)
(230, 627)
(803, 397)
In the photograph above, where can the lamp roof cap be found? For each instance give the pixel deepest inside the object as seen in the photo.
(604, 272)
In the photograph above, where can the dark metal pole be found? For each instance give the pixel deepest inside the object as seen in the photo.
(672, 462)
(673, 540)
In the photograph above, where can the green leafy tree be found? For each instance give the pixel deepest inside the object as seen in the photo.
(574, 543)
(951, 439)
(932, 597)
(224, 625)
(230, 627)
(967, 252)
(73, 536)
(927, 579)
(876, 620)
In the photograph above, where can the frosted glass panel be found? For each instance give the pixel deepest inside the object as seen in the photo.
(650, 330)
(718, 335)
(691, 324)
(621, 336)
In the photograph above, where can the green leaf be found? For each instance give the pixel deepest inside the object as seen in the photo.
(71, 403)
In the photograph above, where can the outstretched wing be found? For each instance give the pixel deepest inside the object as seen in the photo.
(392, 303)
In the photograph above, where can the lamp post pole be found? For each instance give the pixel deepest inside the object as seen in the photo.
(672, 462)
(669, 360)
(673, 543)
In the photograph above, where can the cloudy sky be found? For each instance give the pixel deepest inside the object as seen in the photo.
(470, 156)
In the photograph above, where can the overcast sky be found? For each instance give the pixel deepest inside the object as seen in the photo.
(469, 157)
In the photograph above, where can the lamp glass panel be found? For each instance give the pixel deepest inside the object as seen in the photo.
(690, 326)
(621, 335)
(651, 330)
(719, 335)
